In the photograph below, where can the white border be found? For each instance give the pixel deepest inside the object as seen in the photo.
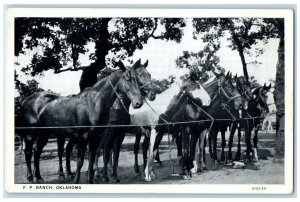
(144, 188)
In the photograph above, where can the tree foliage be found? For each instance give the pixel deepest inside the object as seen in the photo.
(242, 33)
(62, 40)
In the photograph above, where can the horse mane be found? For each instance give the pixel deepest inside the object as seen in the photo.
(103, 76)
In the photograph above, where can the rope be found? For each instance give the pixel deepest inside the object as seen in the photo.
(134, 125)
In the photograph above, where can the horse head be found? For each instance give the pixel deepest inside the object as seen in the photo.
(229, 91)
(129, 86)
(194, 89)
(260, 97)
(144, 80)
(243, 87)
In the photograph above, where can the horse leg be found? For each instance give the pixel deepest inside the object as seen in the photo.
(81, 147)
(136, 148)
(155, 147)
(202, 159)
(117, 147)
(248, 142)
(145, 147)
(185, 146)
(214, 134)
(60, 149)
(28, 155)
(149, 165)
(223, 145)
(230, 141)
(157, 157)
(238, 152)
(255, 140)
(179, 147)
(108, 138)
(41, 141)
(94, 141)
(96, 167)
(209, 144)
(21, 147)
(69, 149)
(193, 154)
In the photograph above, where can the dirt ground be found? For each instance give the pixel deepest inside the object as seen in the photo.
(269, 172)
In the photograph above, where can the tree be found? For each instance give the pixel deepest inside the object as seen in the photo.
(62, 40)
(243, 33)
(201, 62)
(275, 29)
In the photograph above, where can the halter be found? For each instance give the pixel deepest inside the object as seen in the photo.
(224, 92)
(146, 84)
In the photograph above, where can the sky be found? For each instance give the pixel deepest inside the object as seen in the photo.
(161, 56)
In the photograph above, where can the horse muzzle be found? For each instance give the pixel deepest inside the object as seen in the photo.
(137, 104)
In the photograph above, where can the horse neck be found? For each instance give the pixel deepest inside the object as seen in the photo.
(106, 96)
(163, 100)
(253, 108)
(126, 103)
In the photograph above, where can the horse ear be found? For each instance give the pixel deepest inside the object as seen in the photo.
(216, 74)
(146, 64)
(121, 65)
(268, 87)
(265, 85)
(227, 75)
(137, 64)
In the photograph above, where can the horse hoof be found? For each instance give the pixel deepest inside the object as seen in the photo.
(186, 177)
(70, 175)
(39, 180)
(61, 178)
(30, 181)
(116, 180)
(152, 174)
(97, 176)
(136, 168)
(256, 166)
(105, 179)
(194, 170)
(217, 162)
(148, 179)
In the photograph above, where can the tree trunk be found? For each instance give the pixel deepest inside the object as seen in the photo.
(89, 74)
(279, 102)
(241, 53)
(239, 47)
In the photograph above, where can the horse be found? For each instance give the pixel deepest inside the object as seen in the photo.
(162, 110)
(81, 112)
(256, 107)
(221, 89)
(119, 115)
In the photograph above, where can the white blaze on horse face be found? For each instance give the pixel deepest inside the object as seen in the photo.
(202, 95)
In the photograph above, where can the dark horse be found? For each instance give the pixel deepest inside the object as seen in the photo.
(222, 91)
(169, 106)
(119, 115)
(80, 112)
(256, 107)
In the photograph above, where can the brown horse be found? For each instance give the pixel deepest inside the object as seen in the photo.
(89, 108)
(169, 106)
(220, 90)
(256, 107)
(119, 115)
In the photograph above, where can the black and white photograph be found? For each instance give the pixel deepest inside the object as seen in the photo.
(154, 97)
